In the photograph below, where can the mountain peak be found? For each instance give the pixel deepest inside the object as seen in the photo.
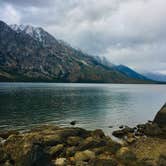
(28, 29)
(36, 33)
(3, 24)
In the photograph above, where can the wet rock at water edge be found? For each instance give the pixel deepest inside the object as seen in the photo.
(6, 134)
(160, 117)
(123, 132)
(73, 122)
(121, 126)
(119, 133)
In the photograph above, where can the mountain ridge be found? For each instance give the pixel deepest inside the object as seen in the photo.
(130, 72)
(23, 57)
(155, 76)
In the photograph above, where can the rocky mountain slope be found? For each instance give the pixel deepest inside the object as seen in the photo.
(123, 69)
(130, 72)
(32, 54)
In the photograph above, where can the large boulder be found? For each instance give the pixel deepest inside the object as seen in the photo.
(160, 118)
(153, 130)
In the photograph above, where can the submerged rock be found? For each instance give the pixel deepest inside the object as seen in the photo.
(73, 122)
(160, 117)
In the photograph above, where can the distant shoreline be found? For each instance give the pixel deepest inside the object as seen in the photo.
(160, 83)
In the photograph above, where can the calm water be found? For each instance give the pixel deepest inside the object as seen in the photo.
(23, 105)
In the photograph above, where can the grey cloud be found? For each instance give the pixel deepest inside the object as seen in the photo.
(25, 3)
(130, 32)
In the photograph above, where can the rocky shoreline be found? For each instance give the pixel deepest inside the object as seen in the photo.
(48, 145)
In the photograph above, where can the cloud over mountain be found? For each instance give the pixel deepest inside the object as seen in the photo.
(130, 32)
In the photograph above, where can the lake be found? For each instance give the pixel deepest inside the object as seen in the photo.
(23, 105)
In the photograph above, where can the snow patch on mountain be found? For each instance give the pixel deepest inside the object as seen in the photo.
(35, 32)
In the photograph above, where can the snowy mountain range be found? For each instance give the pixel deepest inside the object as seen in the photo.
(30, 53)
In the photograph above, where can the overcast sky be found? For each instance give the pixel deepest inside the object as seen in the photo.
(130, 32)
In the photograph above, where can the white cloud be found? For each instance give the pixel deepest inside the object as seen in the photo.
(9, 14)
